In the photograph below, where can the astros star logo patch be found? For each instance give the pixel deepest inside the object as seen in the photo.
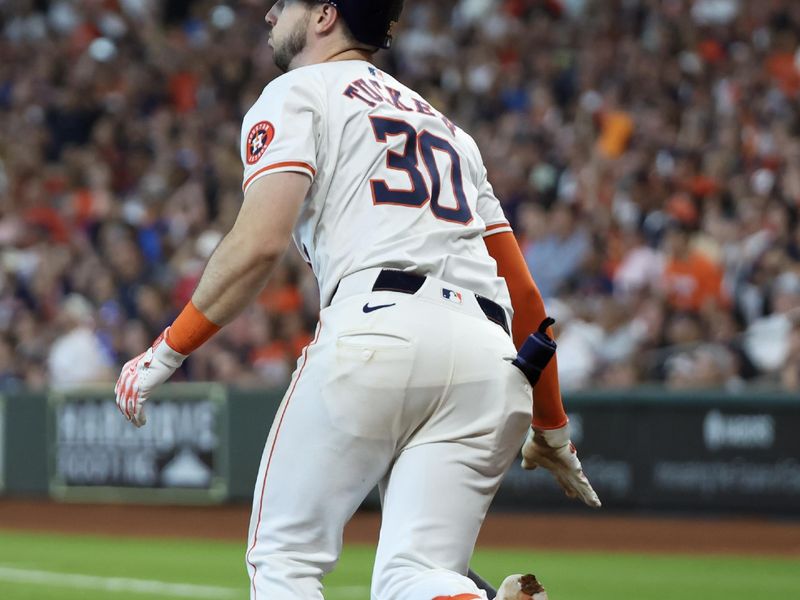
(258, 140)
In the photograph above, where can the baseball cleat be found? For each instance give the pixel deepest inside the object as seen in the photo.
(521, 587)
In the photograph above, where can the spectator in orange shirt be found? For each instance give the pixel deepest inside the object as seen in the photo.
(782, 62)
(616, 130)
(691, 280)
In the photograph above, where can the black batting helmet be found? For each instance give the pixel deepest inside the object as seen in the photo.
(370, 21)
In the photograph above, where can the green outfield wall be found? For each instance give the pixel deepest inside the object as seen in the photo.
(642, 449)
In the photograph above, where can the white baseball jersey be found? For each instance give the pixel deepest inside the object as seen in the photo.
(395, 183)
(418, 386)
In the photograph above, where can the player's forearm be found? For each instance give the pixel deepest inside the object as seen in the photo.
(529, 312)
(244, 260)
(234, 276)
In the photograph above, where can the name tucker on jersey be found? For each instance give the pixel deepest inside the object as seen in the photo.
(372, 93)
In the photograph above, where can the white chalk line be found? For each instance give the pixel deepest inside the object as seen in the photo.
(116, 584)
(142, 586)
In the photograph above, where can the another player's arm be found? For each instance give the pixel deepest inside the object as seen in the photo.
(236, 272)
(548, 444)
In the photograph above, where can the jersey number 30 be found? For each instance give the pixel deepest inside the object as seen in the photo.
(420, 144)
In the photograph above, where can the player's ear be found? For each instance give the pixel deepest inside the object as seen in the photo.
(325, 18)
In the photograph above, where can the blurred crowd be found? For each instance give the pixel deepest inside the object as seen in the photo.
(647, 153)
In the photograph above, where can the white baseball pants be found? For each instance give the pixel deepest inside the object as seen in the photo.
(418, 396)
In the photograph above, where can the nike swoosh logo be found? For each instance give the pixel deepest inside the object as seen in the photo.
(369, 309)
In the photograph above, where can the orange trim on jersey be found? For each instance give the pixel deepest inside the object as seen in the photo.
(529, 312)
(496, 228)
(280, 165)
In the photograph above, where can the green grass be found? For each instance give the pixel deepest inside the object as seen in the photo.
(568, 576)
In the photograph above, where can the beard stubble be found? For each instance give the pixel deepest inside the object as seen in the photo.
(294, 44)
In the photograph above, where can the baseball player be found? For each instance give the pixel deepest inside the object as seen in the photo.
(408, 383)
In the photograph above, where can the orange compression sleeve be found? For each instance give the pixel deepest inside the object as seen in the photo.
(190, 330)
(529, 312)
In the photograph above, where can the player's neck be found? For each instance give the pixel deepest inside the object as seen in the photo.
(350, 54)
(324, 55)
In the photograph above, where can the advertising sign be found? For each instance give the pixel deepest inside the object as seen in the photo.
(738, 458)
(693, 453)
(180, 455)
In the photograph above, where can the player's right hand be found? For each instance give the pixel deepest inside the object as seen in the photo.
(553, 450)
(141, 375)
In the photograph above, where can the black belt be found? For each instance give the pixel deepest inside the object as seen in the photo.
(390, 280)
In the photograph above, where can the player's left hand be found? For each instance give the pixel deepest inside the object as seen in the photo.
(140, 376)
(552, 449)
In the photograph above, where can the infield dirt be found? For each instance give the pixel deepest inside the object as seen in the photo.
(592, 532)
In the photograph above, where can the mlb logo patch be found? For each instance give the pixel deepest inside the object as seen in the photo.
(452, 296)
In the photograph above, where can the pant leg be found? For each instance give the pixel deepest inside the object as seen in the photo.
(332, 440)
(444, 479)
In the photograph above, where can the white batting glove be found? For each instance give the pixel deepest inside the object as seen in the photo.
(143, 374)
(552, 449)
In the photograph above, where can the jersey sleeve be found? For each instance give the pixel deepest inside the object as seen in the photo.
(282, 131)
(488, 206)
